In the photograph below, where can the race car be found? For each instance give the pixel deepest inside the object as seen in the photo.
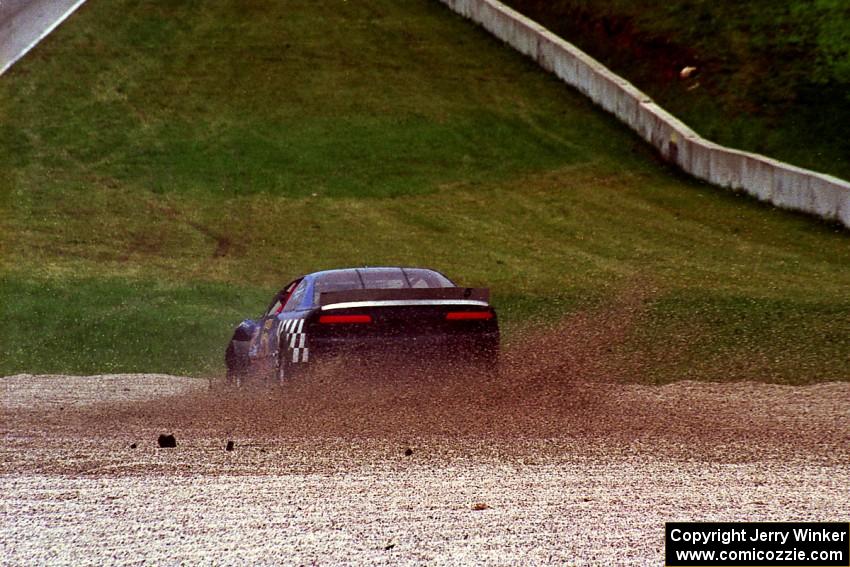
(366, 315)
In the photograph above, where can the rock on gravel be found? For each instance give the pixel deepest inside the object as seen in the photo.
(166, 441)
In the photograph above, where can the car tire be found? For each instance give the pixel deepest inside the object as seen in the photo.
(286, 370)
(232, 379)
(285, 367)
(237, 368)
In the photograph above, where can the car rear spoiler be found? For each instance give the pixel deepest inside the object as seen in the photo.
(414, 296)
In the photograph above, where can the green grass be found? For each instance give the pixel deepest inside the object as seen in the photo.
(106, 324)
(166, 167)
(772, 77)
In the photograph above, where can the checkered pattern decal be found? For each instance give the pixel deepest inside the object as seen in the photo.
(294, 340)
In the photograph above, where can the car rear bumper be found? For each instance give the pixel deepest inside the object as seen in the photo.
(407, 349)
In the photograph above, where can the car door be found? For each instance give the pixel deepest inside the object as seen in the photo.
(290, 333)
(261, 347)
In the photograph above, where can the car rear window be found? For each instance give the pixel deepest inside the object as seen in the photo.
(342, 280)
(378, 278)
(387, 278)
(418, 277)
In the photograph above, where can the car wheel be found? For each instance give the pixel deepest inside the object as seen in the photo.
(232, 379)
(285, 367)
(237, 369)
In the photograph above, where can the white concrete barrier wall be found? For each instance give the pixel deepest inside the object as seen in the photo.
(24, 23)
(767, 179)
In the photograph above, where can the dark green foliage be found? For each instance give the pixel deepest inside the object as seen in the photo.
(772, 77)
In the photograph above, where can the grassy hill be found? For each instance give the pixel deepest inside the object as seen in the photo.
(166, 166)
(771, 77)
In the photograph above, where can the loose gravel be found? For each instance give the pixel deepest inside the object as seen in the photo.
(562, 458)
(320, 471)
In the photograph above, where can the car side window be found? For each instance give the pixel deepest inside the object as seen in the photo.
(275, 307)
(280, 299)
(296, 296)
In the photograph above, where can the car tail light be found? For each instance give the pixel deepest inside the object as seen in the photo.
(468, 315)
(345, 319)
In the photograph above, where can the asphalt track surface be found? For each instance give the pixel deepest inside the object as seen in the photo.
(568, 461)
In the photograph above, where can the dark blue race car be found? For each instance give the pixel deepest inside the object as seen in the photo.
(366, 315)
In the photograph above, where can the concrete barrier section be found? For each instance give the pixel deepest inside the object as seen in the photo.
(758, 174)
(24, 23)
(767, 179)
(826, 197)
